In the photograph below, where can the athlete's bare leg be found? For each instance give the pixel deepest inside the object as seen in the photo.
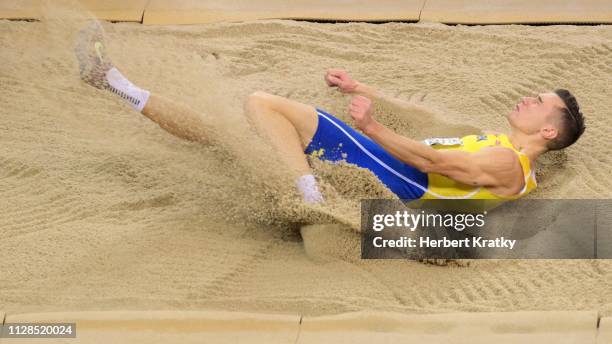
(287, 124)
(178, 119)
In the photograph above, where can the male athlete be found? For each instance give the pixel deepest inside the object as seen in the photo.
(489, 166)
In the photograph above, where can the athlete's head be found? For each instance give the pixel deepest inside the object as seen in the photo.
(552, 117)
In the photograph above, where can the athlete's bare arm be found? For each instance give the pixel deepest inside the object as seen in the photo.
(419, 116)
(497, 168)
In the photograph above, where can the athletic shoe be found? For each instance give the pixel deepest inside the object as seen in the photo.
(91, 53)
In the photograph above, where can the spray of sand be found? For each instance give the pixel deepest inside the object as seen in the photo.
(262, 191)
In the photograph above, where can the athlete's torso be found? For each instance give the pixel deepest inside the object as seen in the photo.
(441, 187)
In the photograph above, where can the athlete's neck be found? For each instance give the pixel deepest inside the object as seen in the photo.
(526, 145)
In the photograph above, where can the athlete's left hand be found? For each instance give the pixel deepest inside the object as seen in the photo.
(361, 112)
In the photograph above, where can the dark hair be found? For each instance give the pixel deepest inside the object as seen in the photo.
(572, 122)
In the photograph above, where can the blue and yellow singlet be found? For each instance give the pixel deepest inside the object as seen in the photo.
(334, 140)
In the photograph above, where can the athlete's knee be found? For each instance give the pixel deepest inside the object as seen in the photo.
(258, 99)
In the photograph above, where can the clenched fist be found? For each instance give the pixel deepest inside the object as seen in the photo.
(361, 112)
(341, 79)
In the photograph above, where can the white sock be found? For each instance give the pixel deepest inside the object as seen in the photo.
(132, 94)
(307, 185)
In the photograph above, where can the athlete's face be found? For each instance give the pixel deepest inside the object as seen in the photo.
(537, 114)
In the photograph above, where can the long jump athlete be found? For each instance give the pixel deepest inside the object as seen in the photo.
(482, 166)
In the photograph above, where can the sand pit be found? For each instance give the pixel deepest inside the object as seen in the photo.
(100, 209)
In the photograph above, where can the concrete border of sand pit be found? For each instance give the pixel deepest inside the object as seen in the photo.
(501, 327)
(170, 12)
(604, 333)
(517, 11)
(117, 10)
(359, 327)
(198, 12)
(111, 10)
(168, 326)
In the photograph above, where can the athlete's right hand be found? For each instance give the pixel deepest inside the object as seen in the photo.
(361, 112)
(339, 78)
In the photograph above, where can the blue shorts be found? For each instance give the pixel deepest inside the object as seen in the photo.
(338, 142)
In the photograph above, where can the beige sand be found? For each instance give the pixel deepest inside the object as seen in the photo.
(100, 209)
